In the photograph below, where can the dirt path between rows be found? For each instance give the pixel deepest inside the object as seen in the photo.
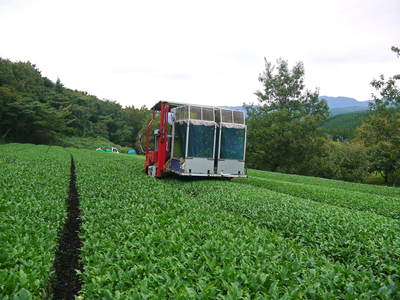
(67, 283)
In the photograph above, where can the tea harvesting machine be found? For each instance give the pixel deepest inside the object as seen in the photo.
(195, 140)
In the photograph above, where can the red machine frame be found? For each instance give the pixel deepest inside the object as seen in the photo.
(159, 156)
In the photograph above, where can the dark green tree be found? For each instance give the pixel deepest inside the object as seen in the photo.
(283, 130)
(59, 86)
(134, 119)
(380, 131)
(28, 120)
(344, 161)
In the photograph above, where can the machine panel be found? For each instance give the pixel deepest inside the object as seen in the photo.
(231, 166)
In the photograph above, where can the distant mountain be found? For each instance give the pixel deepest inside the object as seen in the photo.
(337, 105)
(339, 102)
(344, 105)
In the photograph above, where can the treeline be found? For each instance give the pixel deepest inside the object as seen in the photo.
(285, 134)
(37, 110)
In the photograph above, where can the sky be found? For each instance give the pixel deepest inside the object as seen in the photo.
(203, 52)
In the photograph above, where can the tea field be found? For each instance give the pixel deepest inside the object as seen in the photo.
(269, 236)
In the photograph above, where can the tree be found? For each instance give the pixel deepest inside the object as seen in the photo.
(380, 131)
(344, 161)
(134, 119)
(59, 86)
(28, 120)
(283, 130)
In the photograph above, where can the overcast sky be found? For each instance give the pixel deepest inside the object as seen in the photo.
(205, 52)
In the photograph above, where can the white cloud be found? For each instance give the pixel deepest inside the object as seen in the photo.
(210, 52)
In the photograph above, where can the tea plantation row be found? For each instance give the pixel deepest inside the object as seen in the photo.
(33, 189)
(362, 201)
(316, 181)
(208, 239)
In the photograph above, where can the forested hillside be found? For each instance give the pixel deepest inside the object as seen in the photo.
(343, 126)
(37, 110)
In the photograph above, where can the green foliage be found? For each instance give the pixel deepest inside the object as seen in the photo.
(322, 182)
(381, 205)
(34, 109)
(347, 238)
(375, 178)
(33, 189)
(346, 110)
(211, 239)
(343, 127)
(216, 239)
(283, 132)
(344, 161)
(25, 119)
(380, 132)
(350, 237)
(134, 118)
